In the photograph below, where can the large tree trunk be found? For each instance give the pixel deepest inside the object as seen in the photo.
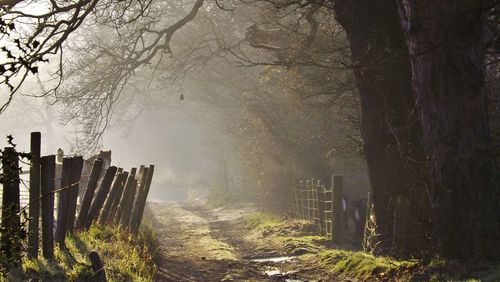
(391, 132)
(446, 43)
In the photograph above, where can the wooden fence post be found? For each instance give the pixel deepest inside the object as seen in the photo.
(97, 267)
(119, 194)
(112, 197)
(100, 196)
(34, 195)
(10, 246)
(310, 211)
(321, 208)
(306, 198)
(314, 202)
(127, 202)
(48, 174)
(89, 193)
(62, 201)
(338, 185)
(328, 206)
(133, 171)
(302, 205)
(123, 197)
(295, 198)
(298, 198)
(58, 178)
(75, 176)
(140, 200)
(139, 174)
(59, 155)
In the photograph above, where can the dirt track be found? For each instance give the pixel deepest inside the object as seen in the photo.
(201, 244)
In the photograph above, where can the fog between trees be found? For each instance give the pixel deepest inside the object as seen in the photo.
(243, 98)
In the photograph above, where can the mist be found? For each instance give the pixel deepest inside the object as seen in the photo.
(358, 138)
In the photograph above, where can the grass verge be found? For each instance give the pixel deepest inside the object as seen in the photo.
(125, 257)
(298, 237)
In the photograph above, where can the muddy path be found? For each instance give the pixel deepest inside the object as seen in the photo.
(202, 244)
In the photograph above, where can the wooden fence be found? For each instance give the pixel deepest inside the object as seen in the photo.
(321, 204)
(50, 199)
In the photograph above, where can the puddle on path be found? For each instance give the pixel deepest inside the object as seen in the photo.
(275, 259)
(274, 272)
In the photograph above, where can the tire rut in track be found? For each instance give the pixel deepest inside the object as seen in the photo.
(202, 244)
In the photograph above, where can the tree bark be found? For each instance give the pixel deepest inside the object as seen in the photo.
(447, 49)
(391, 132)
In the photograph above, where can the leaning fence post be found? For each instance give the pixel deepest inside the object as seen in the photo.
(139, 174)
(62, 201)
(10, 244)
(100, 196)
(89, 193)
(114, 207)
(75, 177)
(97, 267)
(338, 185)
(48, 173)
(112, 195)
(140, 201)
(127, 202)
(125, 196)
(34, 195)
(133, 171)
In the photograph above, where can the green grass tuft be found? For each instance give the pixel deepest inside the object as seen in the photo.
(260, 220)
(363, 266)
(124, 256)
